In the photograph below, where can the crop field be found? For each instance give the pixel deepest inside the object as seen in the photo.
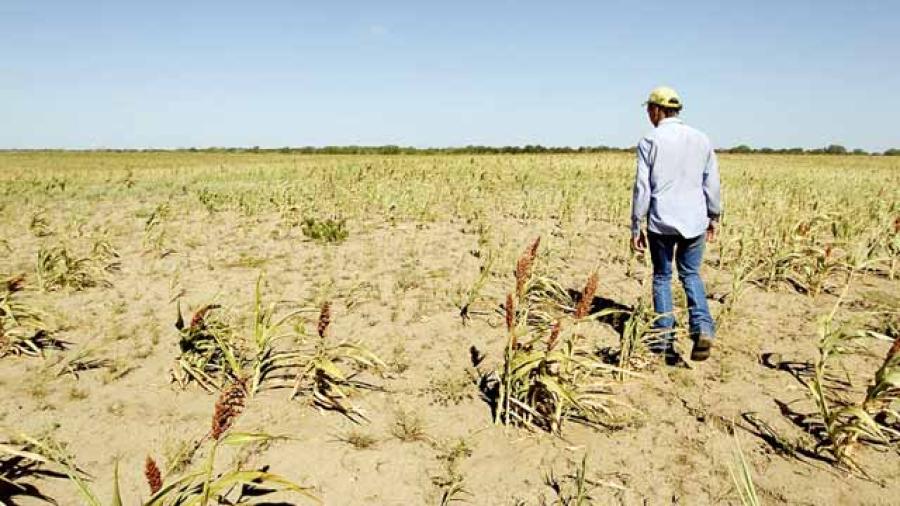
(223, 328)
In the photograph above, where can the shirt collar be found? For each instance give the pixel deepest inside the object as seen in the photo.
(673, 119)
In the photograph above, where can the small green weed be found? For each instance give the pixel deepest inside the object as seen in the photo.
(329, 230)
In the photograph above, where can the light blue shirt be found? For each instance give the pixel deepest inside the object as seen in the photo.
(677, 182)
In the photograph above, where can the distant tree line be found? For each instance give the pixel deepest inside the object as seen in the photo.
(833, 149)
(409, 150)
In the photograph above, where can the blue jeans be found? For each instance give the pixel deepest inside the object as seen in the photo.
(688, 255)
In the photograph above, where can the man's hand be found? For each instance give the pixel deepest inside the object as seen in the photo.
(639, 242)
(712, 231)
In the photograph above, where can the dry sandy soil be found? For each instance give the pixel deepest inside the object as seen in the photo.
(392, 285)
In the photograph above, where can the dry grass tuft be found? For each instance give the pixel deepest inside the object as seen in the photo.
(408, 427)
(359, 440)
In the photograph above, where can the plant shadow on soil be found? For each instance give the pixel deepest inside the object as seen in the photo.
(616, 319)
(17, 469)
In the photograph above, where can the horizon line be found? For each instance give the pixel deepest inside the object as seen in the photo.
(468, 148)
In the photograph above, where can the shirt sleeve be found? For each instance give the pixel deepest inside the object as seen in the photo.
(711, 188)
(640, 198)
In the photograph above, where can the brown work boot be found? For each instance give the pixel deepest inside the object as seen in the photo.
(702, 345)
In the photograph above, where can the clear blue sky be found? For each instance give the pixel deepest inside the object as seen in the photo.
(81, 74)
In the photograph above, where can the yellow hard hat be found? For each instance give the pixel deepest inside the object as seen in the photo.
(664, 96)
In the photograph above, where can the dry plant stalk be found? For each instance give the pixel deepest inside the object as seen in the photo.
(228, 408)
(886, 387)
(322, 370)
(510, 313)
(201, 313)
(524, 265)
(895, 348)
(554, 335)
(324, 319)
(22, 331)
(153, 475)
(587, 297)
(850, 424)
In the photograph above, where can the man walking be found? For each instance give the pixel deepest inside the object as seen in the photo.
(677, 189)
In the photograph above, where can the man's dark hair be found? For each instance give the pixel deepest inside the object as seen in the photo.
(668, 111)
(671, 111)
